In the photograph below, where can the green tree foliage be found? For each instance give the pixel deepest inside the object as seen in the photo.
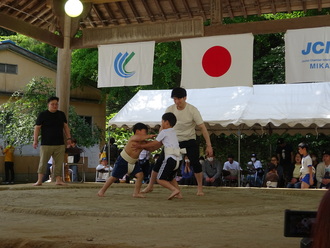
(19, 114)
(84, 67)
(85, 134)
(268, 65)
(6, 32)
(120, 134)
(47, 51)
(167, 66)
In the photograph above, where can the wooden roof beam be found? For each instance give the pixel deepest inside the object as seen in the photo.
(319, 5)
(135, 13)
(304, 5)
(53, 25)
(216, 12)
(160, 9)
(230, 10)
(82, 25)
(90, 21)
(174, 9)
(288, 6)
(200, 6)
(24, 7)
(110, 14)
(98, 14)
(272, 4)
(121, 10)
(186, 5)
(12, 6)
(38, 17)
(243, 8)
(35, 10)
(47, 18)
(101, 1)
(158, 31)
(268, 27)
(2, 3)
(48, 21)
(146, 6)
(257, 5)
(25, 28)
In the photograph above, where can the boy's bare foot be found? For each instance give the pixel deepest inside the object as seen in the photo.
(179, 196)
(139, 195)
(37, 184)
(174, 193)
(147, 190)
(100, 194)
(200, 193)
(60, 183)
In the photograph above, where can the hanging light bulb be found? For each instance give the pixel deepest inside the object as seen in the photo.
(73, 8)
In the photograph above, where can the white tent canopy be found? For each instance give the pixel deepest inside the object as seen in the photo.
(281, 108)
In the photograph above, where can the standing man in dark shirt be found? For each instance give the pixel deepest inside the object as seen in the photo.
(53, 125)
(284, 153)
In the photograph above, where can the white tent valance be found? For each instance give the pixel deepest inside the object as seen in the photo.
(280, 108)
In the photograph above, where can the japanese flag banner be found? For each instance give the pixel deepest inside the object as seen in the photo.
(217, 61)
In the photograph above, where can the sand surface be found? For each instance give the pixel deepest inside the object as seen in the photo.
(73, 216)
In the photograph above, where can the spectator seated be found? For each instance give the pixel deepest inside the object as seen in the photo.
(103, 171)
(272, 177)
(229, 178)
(255, 172)
(230, 172)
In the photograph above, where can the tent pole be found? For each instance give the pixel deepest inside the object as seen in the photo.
(239, 156)
(109, 147)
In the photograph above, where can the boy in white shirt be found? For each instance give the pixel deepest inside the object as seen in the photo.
(188, 118)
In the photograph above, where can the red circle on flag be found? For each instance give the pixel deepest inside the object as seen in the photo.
(216, 61)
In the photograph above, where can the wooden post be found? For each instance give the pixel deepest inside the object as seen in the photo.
(216, 12)
(64, 68)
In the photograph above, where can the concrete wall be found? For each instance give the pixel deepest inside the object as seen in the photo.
(27, 69)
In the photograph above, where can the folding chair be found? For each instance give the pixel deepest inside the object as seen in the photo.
(101, 176)
(80, 164)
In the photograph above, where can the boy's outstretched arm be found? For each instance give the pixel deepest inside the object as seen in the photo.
(150, 146)
(142, 137)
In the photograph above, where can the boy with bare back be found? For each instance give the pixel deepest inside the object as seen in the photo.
(125, 163)
(170, 165)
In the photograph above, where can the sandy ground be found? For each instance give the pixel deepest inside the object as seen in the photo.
(73, 216)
